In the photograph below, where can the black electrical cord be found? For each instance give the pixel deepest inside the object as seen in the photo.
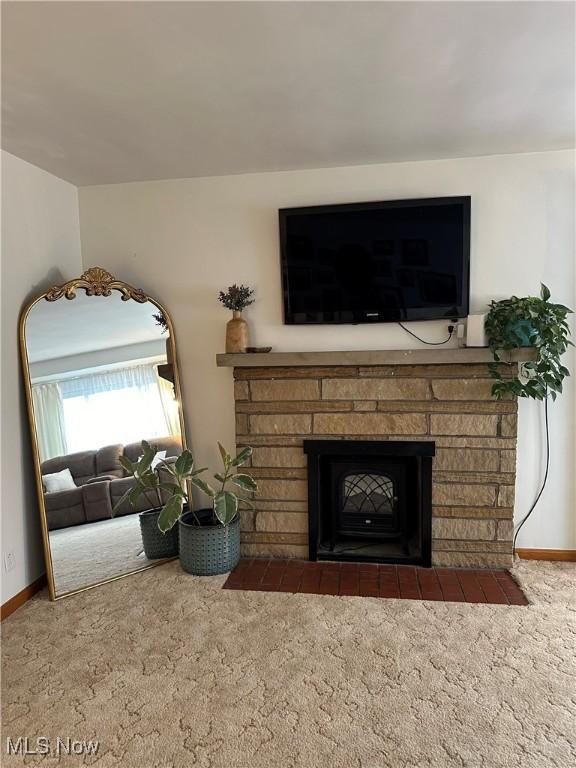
(545, 476)
(430, 343)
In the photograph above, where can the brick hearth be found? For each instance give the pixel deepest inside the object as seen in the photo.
(406, 582)
(474, 470)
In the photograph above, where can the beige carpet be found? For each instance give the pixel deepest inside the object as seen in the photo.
(170, 671)
(89, 553)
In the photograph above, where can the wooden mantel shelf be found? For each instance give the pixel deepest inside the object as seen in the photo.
(449, 356)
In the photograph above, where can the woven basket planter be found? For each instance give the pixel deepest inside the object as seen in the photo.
(207, 550)
(157, 545)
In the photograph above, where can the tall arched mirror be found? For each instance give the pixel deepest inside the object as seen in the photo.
(101, 375)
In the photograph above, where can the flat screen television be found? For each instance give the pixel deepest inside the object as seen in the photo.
(376, 262)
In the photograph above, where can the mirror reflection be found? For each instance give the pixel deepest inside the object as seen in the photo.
(102, 380)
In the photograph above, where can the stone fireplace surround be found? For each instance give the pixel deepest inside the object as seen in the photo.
(281, 399)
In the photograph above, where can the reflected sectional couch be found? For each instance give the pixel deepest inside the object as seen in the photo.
(101, 482)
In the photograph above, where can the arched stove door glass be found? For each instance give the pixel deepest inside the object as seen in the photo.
(368, 504)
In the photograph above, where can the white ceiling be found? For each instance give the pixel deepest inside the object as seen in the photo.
(87, 324)
(110, 91)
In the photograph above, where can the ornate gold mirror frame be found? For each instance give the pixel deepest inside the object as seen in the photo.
(95, 281)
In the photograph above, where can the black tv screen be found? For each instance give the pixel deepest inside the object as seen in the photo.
(376, 262)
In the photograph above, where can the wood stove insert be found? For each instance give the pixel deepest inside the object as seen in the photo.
(370, 501)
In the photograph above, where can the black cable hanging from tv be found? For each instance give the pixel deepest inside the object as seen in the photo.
(429, 343)
(540, 492)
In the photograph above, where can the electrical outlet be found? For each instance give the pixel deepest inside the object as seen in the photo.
(9, 561)
(461, 334)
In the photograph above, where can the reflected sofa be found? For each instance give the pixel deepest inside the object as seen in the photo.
(101, 482)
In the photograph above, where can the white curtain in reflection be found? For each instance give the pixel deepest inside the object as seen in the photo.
(170, 405)
(49, 416)
(118, 406)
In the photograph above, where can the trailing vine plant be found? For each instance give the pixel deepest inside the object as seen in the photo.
(161, 321)
(536, 322)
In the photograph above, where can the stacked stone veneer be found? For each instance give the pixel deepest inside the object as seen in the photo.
(474, 470)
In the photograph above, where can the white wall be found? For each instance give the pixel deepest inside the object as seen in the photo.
(40, 247)
(99, 359)
(184, 240)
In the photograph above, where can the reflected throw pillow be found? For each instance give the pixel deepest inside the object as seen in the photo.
(158, 458)
(59, 481)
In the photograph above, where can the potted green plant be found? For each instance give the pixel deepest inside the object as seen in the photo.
(210, 543)
(209, 539)
(236, 298)
(156, 544)
(532, 321)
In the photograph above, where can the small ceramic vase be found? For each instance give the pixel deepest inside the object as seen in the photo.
(236, 333)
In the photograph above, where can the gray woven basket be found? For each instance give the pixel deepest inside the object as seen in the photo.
(207, 550)
(157, 544)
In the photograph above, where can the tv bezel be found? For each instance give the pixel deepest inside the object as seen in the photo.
(412, 314)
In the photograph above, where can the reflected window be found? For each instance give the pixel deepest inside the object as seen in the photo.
(103, 408)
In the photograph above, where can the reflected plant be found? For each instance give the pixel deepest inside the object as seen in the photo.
(177, 477)
(161, 321)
